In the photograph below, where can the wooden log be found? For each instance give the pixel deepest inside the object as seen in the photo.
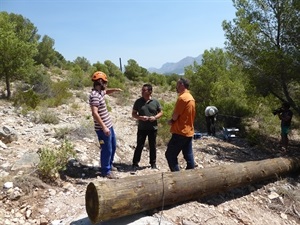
(111, 199)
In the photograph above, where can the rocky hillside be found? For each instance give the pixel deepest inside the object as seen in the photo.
(27, 200)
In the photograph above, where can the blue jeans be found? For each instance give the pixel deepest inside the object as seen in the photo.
(107, 150)
(175, 145)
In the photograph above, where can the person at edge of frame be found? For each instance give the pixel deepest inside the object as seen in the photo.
(210, 118)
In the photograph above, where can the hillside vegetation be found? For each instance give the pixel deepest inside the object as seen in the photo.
(256, 72)
(54, 154)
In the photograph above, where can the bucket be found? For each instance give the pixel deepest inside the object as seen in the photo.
(197, 136)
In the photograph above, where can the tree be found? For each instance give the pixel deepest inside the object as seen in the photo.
(135, 72)
(114, 71)
(18, 46)
(264, 37)
(218, 81)
(157, 79)
(101, 67)
(46, 53)
(83, 63)
(60, 60)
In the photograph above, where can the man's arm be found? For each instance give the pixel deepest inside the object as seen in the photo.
(136, 115)
(174, 118)
(157, 116)
(112, 90)
(97, 117)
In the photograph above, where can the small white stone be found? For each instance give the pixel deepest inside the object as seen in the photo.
(273, 195)
(8, 185)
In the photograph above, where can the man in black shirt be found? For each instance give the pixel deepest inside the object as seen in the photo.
(147, 111)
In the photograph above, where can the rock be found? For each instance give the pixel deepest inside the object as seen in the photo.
(7, 135)
(273, 195)
(28, 160)
(43, 221)
(28, 213)
(2, 145)
(8, 185)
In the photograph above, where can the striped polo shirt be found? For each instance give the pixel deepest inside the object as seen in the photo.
(97, 99)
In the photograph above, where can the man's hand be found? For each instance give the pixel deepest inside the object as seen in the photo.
(106, 131)
(170, 121)
(144, 118)
(152, 118)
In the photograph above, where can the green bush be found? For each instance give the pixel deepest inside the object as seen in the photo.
(41, 82)
(82, 95)
(47, 117)
(116, 83)
(253, 137)
(58, 95)
(108, 106)
(53, 161)
(164, 128)
(28, 98)
(61, 133)
(78, 79)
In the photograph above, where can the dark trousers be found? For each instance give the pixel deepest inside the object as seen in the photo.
(210, 125)
(175, 145)
(141, 138)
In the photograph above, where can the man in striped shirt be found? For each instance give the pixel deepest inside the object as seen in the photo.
(103, 124)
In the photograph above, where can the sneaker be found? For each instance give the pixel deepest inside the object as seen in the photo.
(98, 173)
(134, 167)
(153, 166)
(111, 175)
(113, 168)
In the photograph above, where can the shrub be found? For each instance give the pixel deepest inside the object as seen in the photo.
(53, 161)
(116, 83)
(253, 137)
(47, 117)
(82, 95)
(78, 80)
(108, 106)
(123, 98)
(164, 128)
(58, 94)
(61, 133)
(28, 98)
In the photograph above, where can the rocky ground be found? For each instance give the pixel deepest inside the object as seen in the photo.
(27, 200)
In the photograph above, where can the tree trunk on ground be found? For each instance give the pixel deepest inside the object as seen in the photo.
(130, 195)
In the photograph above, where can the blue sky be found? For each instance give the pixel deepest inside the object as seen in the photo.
(152, 32)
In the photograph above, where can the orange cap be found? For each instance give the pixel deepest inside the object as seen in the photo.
(99, 75)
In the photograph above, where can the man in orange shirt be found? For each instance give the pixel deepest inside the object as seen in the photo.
(182, 128)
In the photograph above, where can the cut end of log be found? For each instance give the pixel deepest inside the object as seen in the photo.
(92, 203)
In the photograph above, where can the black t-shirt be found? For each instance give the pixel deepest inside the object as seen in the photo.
(147, 108)
(286, 113)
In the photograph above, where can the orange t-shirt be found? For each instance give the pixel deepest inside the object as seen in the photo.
(185, 108)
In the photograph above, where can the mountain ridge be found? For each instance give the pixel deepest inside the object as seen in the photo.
(178, 67)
